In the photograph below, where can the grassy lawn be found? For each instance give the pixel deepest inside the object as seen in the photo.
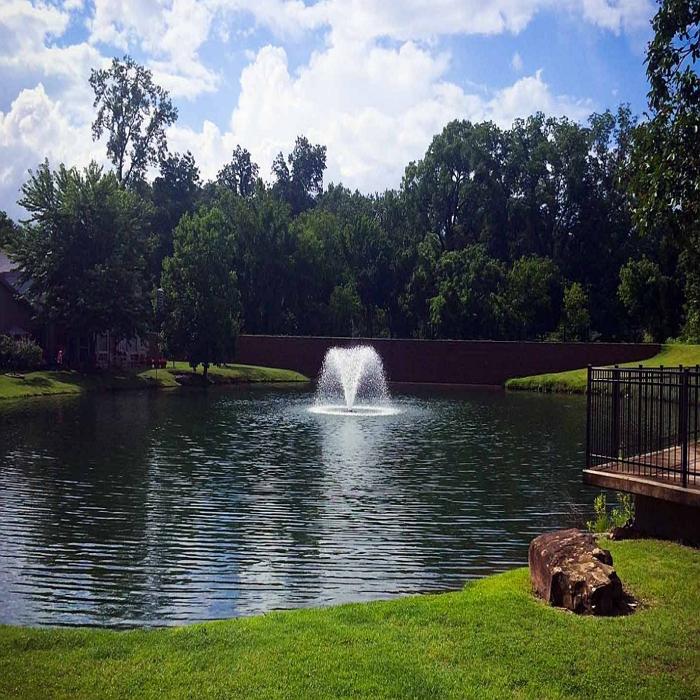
(46, 383)
(492, 639)
(574, 381)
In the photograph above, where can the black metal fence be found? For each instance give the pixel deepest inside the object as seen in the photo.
(644, 421)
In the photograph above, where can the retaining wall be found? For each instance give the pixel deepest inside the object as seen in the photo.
(442, 361)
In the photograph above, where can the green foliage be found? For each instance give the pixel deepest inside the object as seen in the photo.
(240, 174)
(299, 179)
(82, 251)
(666, 172)
(644, 292)
(19, 354)
(201, 293)
(345, 310)
(468, 300)
(605, 519)
(175, 192)
(135, 112)
(7, 229)
(533, 296)
(575, 323)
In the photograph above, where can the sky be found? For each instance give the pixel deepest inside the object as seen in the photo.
(373, 80)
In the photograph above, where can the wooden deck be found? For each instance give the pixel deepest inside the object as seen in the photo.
(649, 475)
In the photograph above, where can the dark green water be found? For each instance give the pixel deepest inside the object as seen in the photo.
(164, 508)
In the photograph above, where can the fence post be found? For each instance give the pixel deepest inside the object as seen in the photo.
(588, 417)
(683, 413)
(615, 433)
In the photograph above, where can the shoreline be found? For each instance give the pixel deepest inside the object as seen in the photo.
(574, 381)
(43, 383)
(492, 638)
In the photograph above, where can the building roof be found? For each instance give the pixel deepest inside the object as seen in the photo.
(10, 275)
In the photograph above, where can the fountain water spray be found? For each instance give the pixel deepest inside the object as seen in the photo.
(355, 377)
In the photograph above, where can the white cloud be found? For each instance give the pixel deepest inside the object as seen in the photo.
(36, 127)
(374, 93)
(171, 33)
(618, 15)
(375, 110)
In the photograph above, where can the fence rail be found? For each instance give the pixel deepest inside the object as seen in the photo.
(644, 421)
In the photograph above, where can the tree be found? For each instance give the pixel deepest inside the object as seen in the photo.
(202, 302)
(575, 323)
(7, 229)
(318, 268)
(644, 293)
(175, 192)
(299, 179)
(82, 251)
(264, 260)
(240, 174)
(666, 182)
(345, 310)
(456, 190)
(532, 297)
(134, 112)
(368, 257)
(468, 299)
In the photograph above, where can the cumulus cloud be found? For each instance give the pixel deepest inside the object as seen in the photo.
(36, 127)
(171, 33)
(375, 110)
(374, 91)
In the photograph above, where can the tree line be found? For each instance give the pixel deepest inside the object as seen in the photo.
(550, 229)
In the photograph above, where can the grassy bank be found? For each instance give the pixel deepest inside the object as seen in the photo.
(492, 639)
(47, 383)
(574, 382)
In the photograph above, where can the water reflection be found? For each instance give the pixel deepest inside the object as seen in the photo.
(157, 509)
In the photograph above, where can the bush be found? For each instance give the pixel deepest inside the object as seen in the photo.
(617, 517)
(19, 354)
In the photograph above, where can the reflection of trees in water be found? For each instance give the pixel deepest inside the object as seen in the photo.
(199, 505)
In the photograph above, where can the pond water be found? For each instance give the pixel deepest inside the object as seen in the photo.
(167, 508)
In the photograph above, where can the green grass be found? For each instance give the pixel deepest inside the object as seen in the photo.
(46, 383)
(491, 640)
(574, 381)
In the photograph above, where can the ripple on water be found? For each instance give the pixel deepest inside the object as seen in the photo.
(164, 509)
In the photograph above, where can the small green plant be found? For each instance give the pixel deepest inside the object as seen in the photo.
(618, 516)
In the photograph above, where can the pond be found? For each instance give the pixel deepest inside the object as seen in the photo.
(172, 507)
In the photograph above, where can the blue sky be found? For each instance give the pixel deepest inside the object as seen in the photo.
(373, 80)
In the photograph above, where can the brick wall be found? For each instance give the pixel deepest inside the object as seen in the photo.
(442, 361)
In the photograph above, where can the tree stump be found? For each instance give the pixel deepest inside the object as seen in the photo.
(569, 570)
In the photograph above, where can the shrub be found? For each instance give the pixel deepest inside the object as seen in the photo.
(19, 354)
(618, 516)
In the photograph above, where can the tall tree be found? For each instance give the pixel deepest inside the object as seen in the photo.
(666, 181)
(299, 179)
(135, 113)
(175, 192)
(202, 302)
(82, 251)
(240, 174)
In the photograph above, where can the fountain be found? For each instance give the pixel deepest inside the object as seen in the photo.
(354, 376)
